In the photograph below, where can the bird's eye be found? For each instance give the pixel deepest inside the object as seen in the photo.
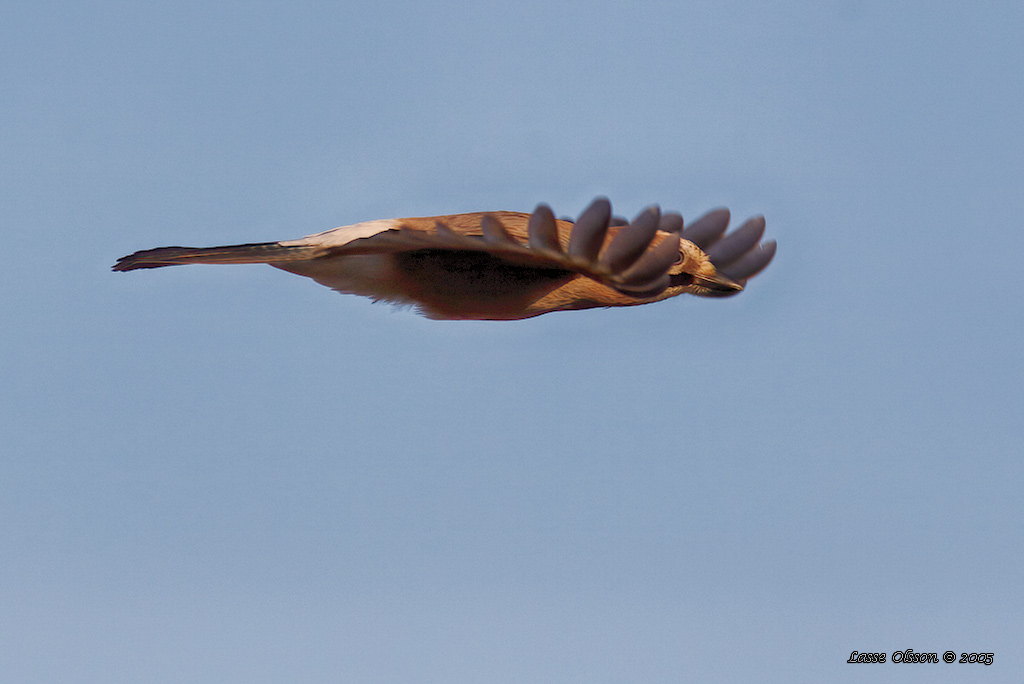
(680, 259)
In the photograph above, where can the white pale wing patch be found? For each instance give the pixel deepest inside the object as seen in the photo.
(336, 237)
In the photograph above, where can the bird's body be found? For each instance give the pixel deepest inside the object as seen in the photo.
(506, 265)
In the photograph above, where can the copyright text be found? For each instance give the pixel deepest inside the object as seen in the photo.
(912, 656)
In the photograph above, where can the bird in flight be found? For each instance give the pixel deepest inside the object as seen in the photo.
(504, 265)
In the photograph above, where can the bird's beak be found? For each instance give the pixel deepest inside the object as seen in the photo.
(718, 283)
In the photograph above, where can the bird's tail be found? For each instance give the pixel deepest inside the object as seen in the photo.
(256, 253)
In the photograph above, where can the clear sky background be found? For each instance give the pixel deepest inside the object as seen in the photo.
(231, 474)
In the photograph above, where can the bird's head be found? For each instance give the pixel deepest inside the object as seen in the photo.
(694, 273)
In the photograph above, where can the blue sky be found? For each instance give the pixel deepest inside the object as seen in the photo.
(231, 474)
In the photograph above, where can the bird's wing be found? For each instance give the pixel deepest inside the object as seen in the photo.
(738, 255)
(633, 259)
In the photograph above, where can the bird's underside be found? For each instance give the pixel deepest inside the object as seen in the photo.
(509, 265)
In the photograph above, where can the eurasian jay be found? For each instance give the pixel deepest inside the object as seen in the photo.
(506, 265)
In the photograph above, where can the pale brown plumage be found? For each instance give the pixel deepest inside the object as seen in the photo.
(509, 265)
